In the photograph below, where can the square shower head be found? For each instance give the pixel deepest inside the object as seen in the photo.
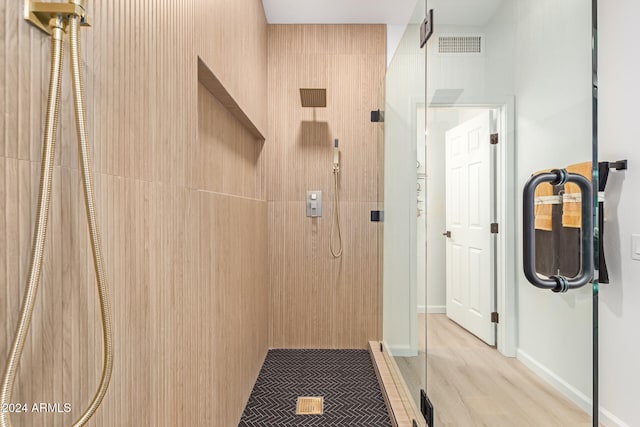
(313, 97)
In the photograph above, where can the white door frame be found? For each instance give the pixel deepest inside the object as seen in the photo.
(506, 262)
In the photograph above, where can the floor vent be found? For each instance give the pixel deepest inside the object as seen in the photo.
(310, 406)
(460, 44)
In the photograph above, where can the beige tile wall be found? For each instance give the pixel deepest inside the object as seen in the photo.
(316, 300)
(184, 245)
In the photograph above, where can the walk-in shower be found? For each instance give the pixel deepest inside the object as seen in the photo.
(57, 19)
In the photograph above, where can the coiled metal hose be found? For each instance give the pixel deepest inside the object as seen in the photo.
(94, 230)
(44, 197)
(336, 251)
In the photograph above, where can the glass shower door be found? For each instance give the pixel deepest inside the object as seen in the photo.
(404, 216)
(511, 192)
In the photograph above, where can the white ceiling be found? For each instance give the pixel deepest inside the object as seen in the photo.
(394, 12)
(463, 12)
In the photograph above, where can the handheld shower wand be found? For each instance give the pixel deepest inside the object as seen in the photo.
(335, 221)
(62, 17)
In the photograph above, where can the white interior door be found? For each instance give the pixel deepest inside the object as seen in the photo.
(470, 279)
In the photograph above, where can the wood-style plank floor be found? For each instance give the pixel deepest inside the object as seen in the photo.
(472, 384)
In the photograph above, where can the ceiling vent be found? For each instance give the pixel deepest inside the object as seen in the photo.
(457, 45)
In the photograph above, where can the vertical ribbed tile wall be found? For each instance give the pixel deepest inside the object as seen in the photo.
(318, 301)
(140, 61)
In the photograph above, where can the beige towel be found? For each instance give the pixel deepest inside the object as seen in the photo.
(571, 210)
(542, 215)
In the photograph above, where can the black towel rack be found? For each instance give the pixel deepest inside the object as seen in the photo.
(620, 165)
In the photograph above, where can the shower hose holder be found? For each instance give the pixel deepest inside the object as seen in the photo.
(41, 13)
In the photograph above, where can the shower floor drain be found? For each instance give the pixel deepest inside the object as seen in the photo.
(310, 406)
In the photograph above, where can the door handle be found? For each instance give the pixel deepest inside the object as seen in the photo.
(447, 234)
(558, 283)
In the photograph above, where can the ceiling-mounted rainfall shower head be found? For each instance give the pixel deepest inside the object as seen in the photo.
(313, 97)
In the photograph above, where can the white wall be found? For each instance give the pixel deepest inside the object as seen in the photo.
(488, 77)
(394, 35)
(464, 72)
(439, 121)
(619, 67)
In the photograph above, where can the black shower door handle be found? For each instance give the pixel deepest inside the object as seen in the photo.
(585, 275)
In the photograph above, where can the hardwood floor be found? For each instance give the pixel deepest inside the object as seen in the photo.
(472, 384)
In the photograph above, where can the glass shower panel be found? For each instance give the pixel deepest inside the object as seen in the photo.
(509, 97)
(404, 215)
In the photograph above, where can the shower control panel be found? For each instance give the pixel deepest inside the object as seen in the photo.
(314, 203)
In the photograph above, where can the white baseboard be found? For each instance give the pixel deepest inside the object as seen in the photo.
(610, 420)
(569, 391)
(402, 351)
(435, 309)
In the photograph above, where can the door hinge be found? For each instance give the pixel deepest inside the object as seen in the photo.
(426, 28)
(377, 216)
(494, 228)
(495, 318)
(377, 116)
(494, 139)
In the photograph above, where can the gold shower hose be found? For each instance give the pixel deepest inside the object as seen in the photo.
(44, 197)
(335, 221)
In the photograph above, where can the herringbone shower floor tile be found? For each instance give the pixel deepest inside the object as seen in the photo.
(345, 378)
